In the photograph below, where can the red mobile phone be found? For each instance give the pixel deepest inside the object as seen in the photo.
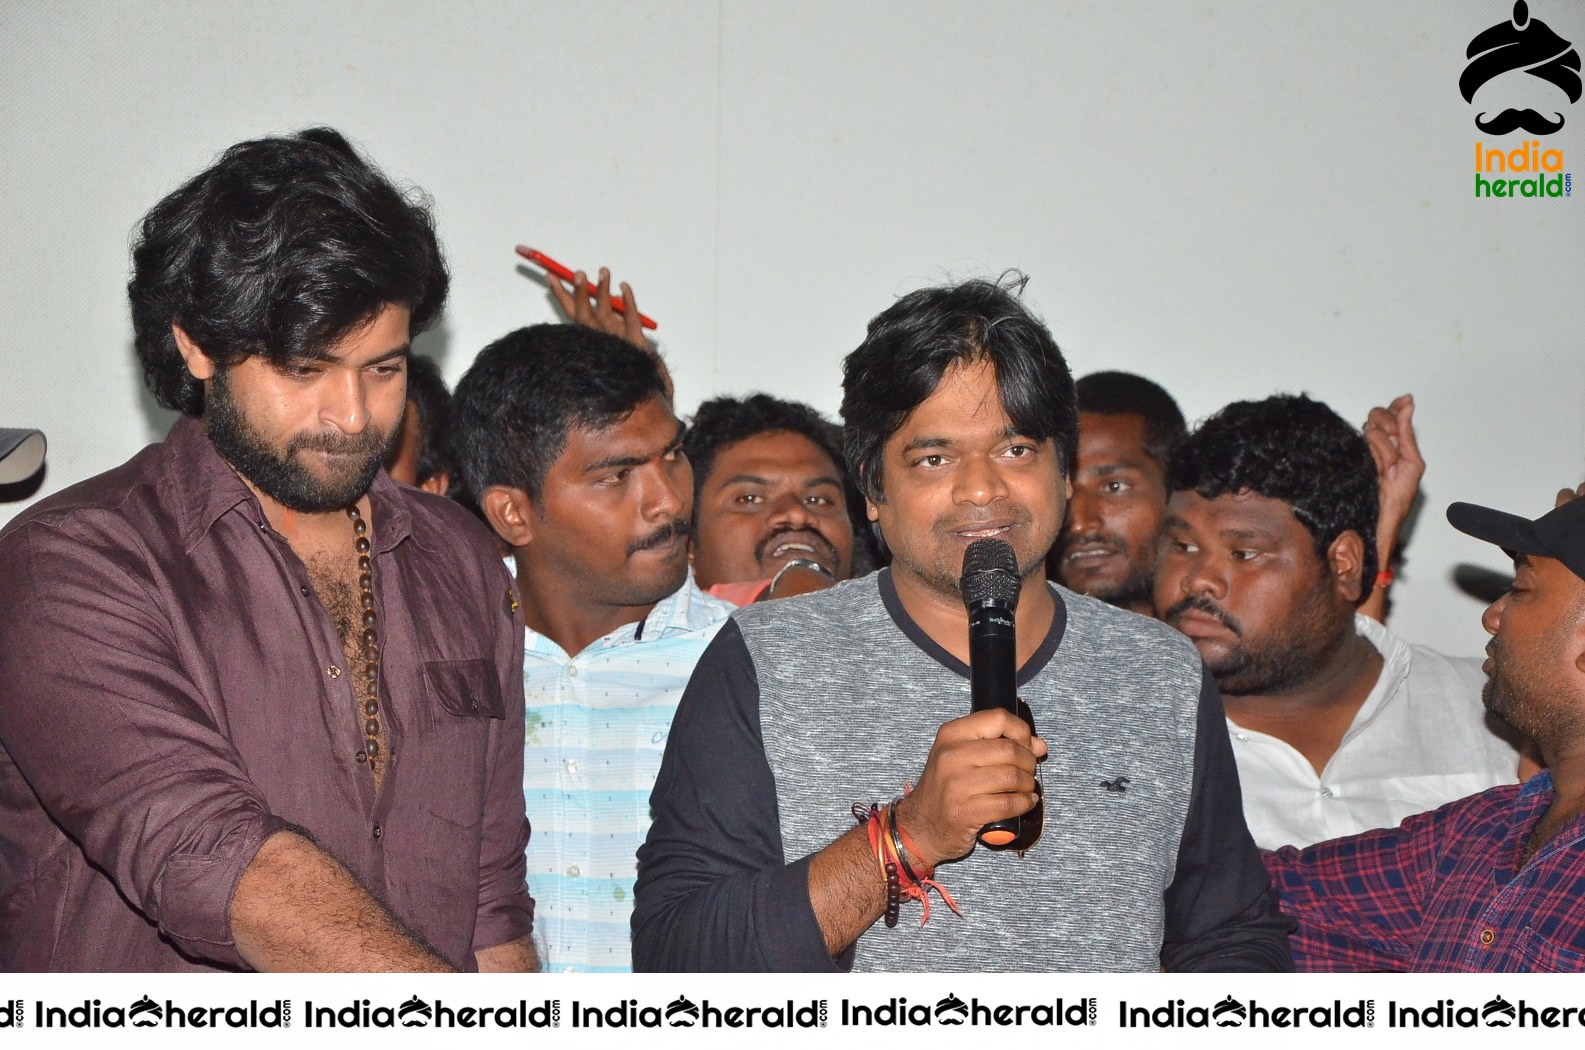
(541, 259)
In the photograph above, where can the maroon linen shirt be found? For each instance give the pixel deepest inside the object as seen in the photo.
(172, 693)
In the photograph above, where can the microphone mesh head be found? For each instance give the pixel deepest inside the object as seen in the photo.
(990, 573)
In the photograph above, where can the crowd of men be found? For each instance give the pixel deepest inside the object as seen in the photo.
(286, 690)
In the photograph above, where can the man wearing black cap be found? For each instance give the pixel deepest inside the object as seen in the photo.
(1496, 881)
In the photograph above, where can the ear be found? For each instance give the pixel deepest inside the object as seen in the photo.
(1345, 561)
(438, 483)
(509, 512)
(870, 511)
(199, 364)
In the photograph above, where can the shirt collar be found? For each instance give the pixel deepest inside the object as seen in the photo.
(1538, 783)
(205, 487)
(916, 634)
(686, 609)
(1396, 656)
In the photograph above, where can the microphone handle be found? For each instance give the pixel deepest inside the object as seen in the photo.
(993, 683)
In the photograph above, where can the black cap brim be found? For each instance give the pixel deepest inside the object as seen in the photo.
(1557, 534)
(1512, 533)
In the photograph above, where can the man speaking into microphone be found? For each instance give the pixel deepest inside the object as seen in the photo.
(824, 799)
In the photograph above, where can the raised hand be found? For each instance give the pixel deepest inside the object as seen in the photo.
(595, 311)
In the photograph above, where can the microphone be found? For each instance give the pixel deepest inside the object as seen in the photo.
(990, 586)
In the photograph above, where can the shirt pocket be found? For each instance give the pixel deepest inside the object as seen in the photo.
(1543, 956)
(465, 688)
(453, 748)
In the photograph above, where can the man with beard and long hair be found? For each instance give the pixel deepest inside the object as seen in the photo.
(1338, 725)
(825, 763)
(1494, 882)
(565, 439)
(262, 705)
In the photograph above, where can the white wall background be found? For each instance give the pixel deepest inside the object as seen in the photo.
(1234, 198)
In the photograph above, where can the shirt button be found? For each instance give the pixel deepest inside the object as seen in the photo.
(379, 832)
(575, 871)
(571, 766)
(361, 756)
(333, 671)
(304, 590)
(1486, 937)
(1326, 792)
(572, 671)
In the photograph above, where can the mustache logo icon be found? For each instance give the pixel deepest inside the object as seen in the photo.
(1512, 119)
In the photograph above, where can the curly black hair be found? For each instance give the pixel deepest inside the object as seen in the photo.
(279, 249)
(909, 347)
(1292, 448)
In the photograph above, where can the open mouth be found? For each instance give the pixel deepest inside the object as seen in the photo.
(797, 543)
(982, 532)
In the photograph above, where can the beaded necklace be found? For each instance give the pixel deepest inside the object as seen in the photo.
(371, 641)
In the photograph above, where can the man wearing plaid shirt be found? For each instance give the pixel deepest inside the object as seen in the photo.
(1494, 882)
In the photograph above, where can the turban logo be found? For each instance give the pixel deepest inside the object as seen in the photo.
(1521, 43)
(414, 1012)
(145, 1013)
(951, 1010)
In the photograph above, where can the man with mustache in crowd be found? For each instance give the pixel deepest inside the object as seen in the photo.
(566, 439)
(1495, 882)
(781, 472)
(1337, 724)
(1127, 428)
(770, 508)
(806, 715)
(262, 705)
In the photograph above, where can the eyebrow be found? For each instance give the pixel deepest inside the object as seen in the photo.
(405, 350)
(1245, 534)
(633, 461)
(755, 479)
(940, 442)
(1174, 521)
(324, 356)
